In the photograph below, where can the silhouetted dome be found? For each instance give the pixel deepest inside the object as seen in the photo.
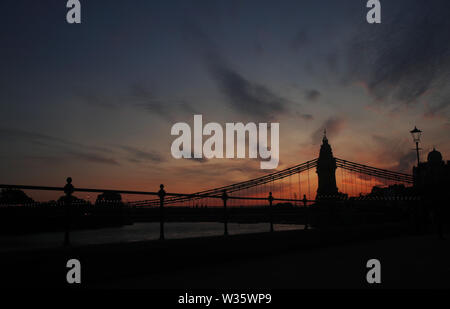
(434, 156)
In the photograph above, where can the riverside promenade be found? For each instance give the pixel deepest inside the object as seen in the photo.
(333, 258)
(407, 262)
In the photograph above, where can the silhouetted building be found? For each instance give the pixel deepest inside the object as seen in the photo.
(109, 196)
(73, 200)
(326, 171)
(433, 176)
(391, 191)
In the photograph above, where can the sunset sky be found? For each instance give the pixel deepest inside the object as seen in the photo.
(96, 101)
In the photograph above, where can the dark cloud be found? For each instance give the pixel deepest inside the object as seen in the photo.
(332, 62)
(44, 159)
(8, 133)
(138, 96)
(76, 150)
(187, 108)
(96, 98)
(92, 157)
(146, 99)
(243, 95)
(138, 156)
(305, 116)
(198, 160)
(333, 125)
(312, 95)
(395, 152)
(407, 56)
(437, 109)
(406, 161)
(232, 171)
(246, 96)
(44, 139)
(258, 47)
(300, 40)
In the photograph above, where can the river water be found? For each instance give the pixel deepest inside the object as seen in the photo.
(135, 232)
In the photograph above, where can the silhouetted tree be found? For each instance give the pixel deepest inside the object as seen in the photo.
(14, 196)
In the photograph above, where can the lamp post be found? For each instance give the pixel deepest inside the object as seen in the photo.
(416, 134)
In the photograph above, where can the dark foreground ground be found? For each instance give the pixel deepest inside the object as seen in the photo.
(333, 258)
(406, 262)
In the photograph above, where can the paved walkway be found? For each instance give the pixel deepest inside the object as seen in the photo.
(407, 262)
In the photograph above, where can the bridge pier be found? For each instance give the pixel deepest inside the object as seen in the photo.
(68, 190)
(161, 194)
(270, 198)
(225, 214)
(305, 200)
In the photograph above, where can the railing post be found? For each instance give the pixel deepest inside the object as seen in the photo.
(68, 190)
(225, 214)
(270, 198)
(161, 194)
(305, 200)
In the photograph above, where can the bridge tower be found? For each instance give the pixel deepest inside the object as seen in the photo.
(326, 171)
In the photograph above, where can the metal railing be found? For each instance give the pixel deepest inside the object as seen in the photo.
(69, 189)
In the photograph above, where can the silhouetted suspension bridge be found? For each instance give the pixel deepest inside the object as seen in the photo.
(384, 177)
(261, 189)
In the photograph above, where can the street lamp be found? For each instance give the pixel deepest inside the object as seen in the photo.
(416, 134)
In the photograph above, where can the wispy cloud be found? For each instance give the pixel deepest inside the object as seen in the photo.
(406, 58)
(199, 160)
(305, 116)
(75, 150)
(300, 40)
(139, 96)
(333, 125)
(246, 96)
(232, 171)
(312, 95)
(97, 98)
(242, 94)
(394, 152)
(138, 156)
(143, 97)
(92, 157)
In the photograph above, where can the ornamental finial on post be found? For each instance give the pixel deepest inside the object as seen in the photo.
(270, 198)
(161, 192)
(224, 195)
(68, 188)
